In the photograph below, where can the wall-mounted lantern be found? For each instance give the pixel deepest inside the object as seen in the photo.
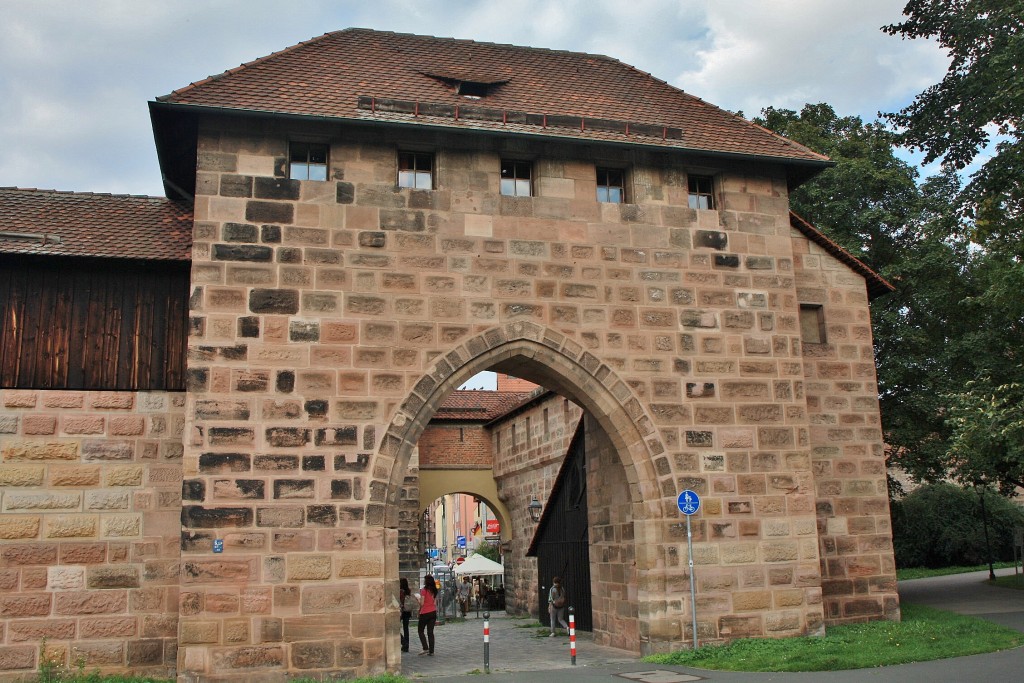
(535, 509)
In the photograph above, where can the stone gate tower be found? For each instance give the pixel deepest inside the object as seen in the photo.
(377, 217)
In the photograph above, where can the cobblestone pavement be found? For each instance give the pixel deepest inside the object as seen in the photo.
(514, 646)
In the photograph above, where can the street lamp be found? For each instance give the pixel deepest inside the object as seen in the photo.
(535, 509)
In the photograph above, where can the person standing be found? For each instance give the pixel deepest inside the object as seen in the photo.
(404, 596)
(557, 600)
(428, 615)
(464, 595)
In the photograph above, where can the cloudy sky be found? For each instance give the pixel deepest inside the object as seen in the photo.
(75, 75)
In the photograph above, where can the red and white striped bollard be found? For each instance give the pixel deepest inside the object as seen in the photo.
(487, 642)
(572, 634)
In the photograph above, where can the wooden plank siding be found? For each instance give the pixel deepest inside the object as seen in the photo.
(94, 325)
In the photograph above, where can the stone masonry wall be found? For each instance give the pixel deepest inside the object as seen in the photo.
(615, 581)
(858, 566)
(321, 308)
(90, 489)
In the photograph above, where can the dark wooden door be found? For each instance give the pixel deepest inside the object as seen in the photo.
(562, 543)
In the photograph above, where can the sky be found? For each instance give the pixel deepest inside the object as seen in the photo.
(76, 75)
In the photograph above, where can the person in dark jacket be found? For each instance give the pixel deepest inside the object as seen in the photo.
(404, 596)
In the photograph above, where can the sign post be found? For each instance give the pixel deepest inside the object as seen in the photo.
(689, 503)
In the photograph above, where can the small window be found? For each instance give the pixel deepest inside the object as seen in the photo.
(515, 178)
(812, 324)
(307, 161)
(611, 185)
(416, 170)
(701, 192)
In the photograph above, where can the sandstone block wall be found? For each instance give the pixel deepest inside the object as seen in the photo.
(858, 568)
(328, 319)
(90, 493)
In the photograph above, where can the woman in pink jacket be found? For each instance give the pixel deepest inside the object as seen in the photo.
(428, 615)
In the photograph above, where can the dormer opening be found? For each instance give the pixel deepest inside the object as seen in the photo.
(473, 89)
(470, 86)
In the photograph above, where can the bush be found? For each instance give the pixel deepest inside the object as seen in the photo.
(939, 525)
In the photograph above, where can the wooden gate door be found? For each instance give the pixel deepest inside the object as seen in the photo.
(562, 544)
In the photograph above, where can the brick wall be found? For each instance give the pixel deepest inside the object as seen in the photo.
(447, 445)
(90, 487)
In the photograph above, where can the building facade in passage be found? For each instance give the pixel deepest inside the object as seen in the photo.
(375, 218)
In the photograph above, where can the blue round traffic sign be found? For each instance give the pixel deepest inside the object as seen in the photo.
(688, 502)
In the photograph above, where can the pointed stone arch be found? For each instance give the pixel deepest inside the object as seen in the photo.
(630, 441)
(549, 358)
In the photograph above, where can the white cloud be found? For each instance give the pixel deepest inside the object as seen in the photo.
(790, 52)
(75, 77)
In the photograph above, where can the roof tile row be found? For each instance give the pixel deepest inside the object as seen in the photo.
(94, 225)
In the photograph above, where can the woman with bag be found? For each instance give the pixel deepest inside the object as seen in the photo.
(557, 599)
(428, 615)
(405, 595)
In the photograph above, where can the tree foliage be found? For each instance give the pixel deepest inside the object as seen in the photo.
(988, 434)
(956, 311)
(976, 111)
(978, 106)
(940, 525)
(871, 203)
(492, 551)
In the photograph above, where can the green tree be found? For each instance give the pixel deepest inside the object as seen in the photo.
(977, 106)
(976, 111)
(869, 198)
(871, 203)
(492, 551)
(987, 443)
(940, 525)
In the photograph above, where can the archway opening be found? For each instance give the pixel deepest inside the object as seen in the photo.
(527, 447)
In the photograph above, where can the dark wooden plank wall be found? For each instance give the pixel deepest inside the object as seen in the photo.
(71, 324)
(563, 542)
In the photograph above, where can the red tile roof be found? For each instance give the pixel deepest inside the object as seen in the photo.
(479, 405)
(95, 225)
(400, 78)
(876, 284)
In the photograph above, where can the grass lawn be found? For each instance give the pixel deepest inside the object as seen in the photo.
(1011, 581)
(924, 634)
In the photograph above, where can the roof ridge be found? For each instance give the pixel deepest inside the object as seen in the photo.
(476, 42)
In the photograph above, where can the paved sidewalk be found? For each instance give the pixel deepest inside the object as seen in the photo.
(513, 647)
(525, 655)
